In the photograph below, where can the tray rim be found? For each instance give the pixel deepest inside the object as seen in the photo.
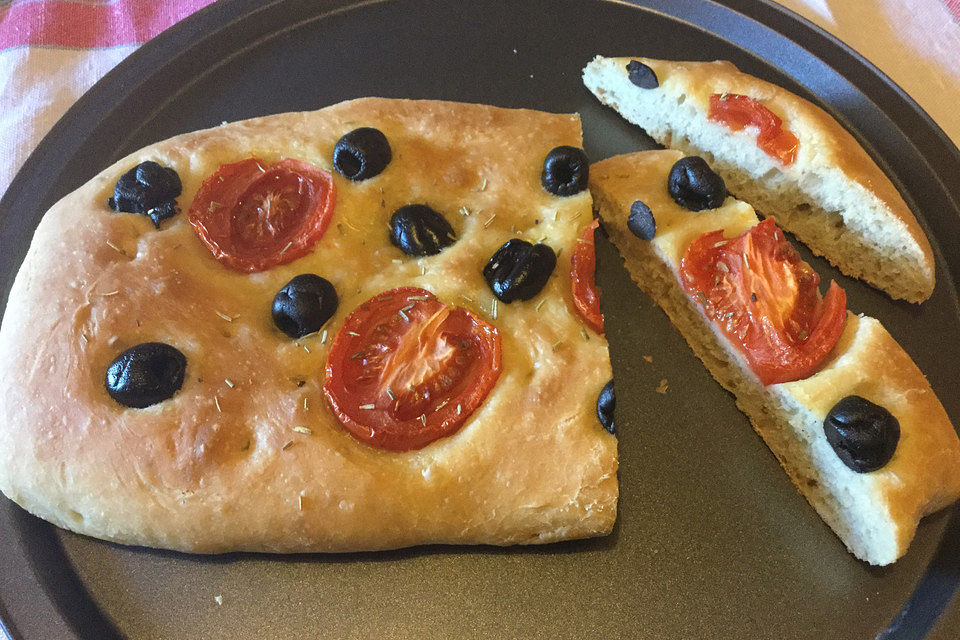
(207, 23)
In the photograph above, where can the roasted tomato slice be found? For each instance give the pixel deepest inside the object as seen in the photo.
(406, 369)
(583, 263)
(736, 112)
(765, 299)
(254, 216)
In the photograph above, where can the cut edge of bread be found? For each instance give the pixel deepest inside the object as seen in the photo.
(834, 214)
(862, 522)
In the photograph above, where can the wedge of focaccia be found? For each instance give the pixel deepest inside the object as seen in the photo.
(348, 329)
(782, 154)
(845, 410)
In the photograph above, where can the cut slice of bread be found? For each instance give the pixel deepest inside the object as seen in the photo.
(875, 514)
(833, 197)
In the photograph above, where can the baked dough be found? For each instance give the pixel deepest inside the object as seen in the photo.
(834, 198)
(875, 514)
(219, 466)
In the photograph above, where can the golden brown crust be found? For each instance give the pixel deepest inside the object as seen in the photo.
(823, 139)
(219, 466)
(924, 473)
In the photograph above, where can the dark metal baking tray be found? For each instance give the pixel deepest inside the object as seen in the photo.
(712, 540)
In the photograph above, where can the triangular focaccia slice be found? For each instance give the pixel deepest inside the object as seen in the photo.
(874, 513)
(248, 454)
(784, 155)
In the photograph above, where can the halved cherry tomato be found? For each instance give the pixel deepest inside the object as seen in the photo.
(583, 263)
(765, 299)
(406, 369)
(253, 216)
(737, 111)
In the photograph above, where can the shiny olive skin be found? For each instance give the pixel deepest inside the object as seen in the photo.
(863, 435)
(145, 375)
(304, 305)
(361, 154)
(606, 403)
(693, 184)
(641, 75)
(148, 189)
(566, 171)
(641, 221)
(519, 270)
(418, 230)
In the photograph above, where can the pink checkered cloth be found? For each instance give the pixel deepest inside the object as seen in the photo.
(52, 51)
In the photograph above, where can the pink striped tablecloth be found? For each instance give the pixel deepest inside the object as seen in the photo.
(52, 51)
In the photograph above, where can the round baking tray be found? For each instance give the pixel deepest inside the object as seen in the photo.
(712, 540)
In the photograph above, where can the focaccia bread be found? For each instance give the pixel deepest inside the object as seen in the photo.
(784, 155)
(875, 513)
(248, 452)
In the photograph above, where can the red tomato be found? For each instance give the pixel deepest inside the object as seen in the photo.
(583, 263)
(254, 216)
(406, 369)
(765, 299)
(736, 112)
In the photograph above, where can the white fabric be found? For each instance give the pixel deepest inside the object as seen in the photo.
(37, 85)
(915, 42)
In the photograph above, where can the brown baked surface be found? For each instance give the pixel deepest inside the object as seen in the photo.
(823, 142)
(835, 143)
(531, 465)
(924, 473)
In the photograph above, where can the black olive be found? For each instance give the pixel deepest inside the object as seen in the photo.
(694, 185)
(641, 222)
(145, 374)
(566, 171)
(304, 305)
(362, 153)
(418, 230)
(606, 402)
(863, 434)
(148, 189)
(519, 270)
(642, 75)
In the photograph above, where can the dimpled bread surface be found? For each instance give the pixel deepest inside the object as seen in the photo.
(874, 514)
(834, 198)
(219, 466)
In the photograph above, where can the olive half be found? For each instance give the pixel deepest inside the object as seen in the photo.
(145, 375)
(304, 305)
(694, 185)
(519, 270)
(418, 230)
(148, 189)
(566, 171)
(362, 153)
(863, 434)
